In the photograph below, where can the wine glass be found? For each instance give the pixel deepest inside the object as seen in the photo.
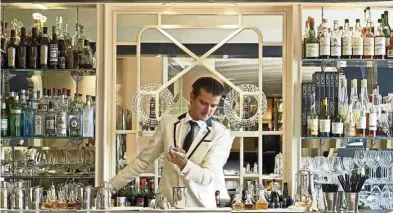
(349, 164)
(360, 160)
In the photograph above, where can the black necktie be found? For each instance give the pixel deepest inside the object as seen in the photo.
(190, 136)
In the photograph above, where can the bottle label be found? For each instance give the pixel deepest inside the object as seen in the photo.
(50, 123)
(54, 53)
(62, 62)
(75, 123)
(335, 44)
(140, 201)
(369, 46)
(33, 53)
(361, 122)
(324, 46)
(4, 124)
(347, 46)
(337, 128)
(44, 54)
(22, 57)
(88, 123)
(42, 107)
(357, 45)
(380, 47)
(372, 121)
(312, 50)
(314, 127)
(61, 123)
(38, 125)
(390, 53)
(324, 125)
(11, 56)
(16, 111)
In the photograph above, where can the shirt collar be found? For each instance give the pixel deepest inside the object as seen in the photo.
(188, 118)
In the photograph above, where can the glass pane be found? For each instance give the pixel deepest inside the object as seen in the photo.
(271, 26)
(199, 19)
(127, 26)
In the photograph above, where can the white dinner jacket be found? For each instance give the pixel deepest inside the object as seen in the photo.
(207, 155)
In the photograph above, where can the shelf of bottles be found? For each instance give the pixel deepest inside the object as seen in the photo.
(328, 111)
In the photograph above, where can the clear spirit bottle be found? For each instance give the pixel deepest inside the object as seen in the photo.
(350, 129)
(61, 119)
(75, 118)
(50, 121)
(88, 118)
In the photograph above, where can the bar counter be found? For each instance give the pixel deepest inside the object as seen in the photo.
(187, 210)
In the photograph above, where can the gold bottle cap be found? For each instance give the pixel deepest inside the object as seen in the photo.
(324, 101)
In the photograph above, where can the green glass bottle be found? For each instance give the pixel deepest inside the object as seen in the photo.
(15, 118)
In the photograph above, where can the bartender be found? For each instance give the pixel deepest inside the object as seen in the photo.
(196, 149)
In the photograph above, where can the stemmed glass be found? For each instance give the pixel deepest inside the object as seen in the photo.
(360, 160)
(372, 159)
(320, 161)
(336, 168)
(349, 164)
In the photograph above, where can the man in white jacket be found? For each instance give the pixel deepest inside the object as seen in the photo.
(195, 147)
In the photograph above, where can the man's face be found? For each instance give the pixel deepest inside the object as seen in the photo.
(204, 105)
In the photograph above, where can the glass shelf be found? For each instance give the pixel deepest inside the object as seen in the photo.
(90, 176)
(46, 137)
(346, 138)
(348, 63)
(84, 72)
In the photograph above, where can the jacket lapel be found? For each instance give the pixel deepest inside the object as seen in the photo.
(175, 125)
(202, 134)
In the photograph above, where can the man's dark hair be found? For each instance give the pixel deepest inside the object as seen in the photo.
(209, 84)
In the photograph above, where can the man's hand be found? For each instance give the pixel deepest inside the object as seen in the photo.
(176, 158)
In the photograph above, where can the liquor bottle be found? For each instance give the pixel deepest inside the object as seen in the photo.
(140, 197)
(22, 50)
(86, 61)
(132, 197)
(262, 203)
(32, 51)
(346, 42)
(238, 204)
(11, 50)
(287, 201)
(61, 118)
(354, 94)
(389, 51)
(71, 204)
(350, 129)
(39, 115)
(88, 118)
(62, 56)
(369, 39)
(305, 36)
(372, 119)
(312, 119)
(379, 42)
(53, 50)
(150, 195)
(50, 121)
(249, 204)
(357, 41)
(75, 118)
(387, 31)
(15, 118)
(335, 41)
(77, 44)
(324, 120)
(44, 48)
(377, 98)
(274, 196)
(4, 120)
(324, 41)
(361, 122)
(343, 99)
(27, 117)
(337, 122)
(383, 129)
(4, 58)
(312, 43)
